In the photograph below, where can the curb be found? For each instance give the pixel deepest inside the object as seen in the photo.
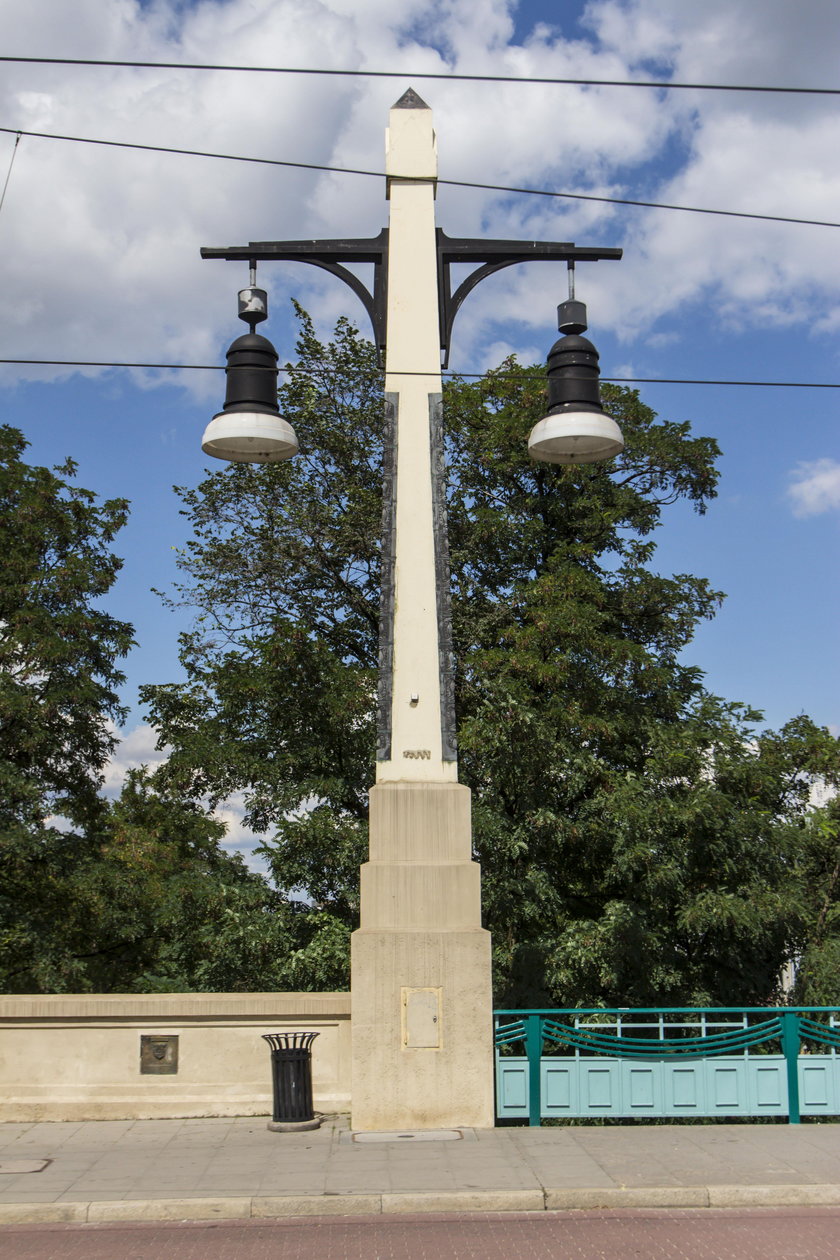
(281, 1206)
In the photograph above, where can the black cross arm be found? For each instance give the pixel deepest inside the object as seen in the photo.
(454, 249)
(333, 255)
(329, 256)
(370, 249)
(492, 257)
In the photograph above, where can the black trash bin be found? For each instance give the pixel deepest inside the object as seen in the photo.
(291, 1075)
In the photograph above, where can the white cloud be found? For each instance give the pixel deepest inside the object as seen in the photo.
(121, 277)
(137, 748)
(239, 838)
(815, 487)
(661, 341)
(821, 793)
(497, 351)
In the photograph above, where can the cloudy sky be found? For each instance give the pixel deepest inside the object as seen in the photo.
(100, 253)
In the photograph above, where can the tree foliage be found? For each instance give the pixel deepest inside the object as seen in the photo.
(641, 840)
(136, 894)
(58, 648)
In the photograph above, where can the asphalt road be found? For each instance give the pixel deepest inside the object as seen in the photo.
(705, 1234)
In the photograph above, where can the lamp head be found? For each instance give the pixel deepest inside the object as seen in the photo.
(576, 429)
(249, 429)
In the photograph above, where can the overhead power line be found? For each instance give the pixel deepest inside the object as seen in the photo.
(618, 380)
(404, 74)
(687, 380)
(9, 171)
(452, 183)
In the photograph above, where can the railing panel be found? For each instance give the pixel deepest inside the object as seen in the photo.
(819, 1084)
(685, 1091)
(584, 1088)
(560, 1088)
(512, 1076)
(642, 1089)
(670, 1063)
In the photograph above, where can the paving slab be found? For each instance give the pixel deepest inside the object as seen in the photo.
(235, 1168)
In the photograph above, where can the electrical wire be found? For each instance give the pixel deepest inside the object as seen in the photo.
(452, 183)
(9, 171)
(624, 380)
(404, 74)
(377, 174)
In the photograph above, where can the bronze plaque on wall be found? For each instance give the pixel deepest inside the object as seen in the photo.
(159, 1055)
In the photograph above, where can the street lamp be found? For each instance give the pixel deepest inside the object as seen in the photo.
(249, 429)
(422, 1052)
(576, 429)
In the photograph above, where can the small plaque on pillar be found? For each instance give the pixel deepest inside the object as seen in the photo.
(421, 1023)
(159, 1055)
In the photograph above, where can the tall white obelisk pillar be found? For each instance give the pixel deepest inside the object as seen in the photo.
(421, 983)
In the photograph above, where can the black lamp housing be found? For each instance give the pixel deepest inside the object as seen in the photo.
(576, 429)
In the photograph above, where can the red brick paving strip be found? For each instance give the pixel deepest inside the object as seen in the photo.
(665, 1234)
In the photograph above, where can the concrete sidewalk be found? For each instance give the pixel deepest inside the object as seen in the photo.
(236, 1168)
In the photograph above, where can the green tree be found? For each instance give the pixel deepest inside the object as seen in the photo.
(146, 901)
(280, 702)
(817, 957)
(58, 680)
(644, 843)
(638, 836)
(58, 649)
(132, 895)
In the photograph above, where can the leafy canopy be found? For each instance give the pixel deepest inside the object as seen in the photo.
(136, 894)
(58, 648)
(641, 840)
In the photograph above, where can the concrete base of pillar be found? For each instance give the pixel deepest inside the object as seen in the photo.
(421, 978)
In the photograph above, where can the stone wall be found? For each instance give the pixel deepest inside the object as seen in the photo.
(78, 1056)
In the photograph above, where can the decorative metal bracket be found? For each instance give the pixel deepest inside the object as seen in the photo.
(329, 256)
(494, 255)
(451, 251)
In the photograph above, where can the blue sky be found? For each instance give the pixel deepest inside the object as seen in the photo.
(100, 256)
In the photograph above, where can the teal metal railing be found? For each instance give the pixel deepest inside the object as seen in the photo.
(668, 1062)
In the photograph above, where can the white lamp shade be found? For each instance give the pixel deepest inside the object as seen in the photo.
(249, 437)
(575, 437)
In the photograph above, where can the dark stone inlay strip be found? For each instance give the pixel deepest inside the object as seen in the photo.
(388, 577)
(446, 657)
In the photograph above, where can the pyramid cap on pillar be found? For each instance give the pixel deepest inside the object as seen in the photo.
(410, 100)
(410, 144)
